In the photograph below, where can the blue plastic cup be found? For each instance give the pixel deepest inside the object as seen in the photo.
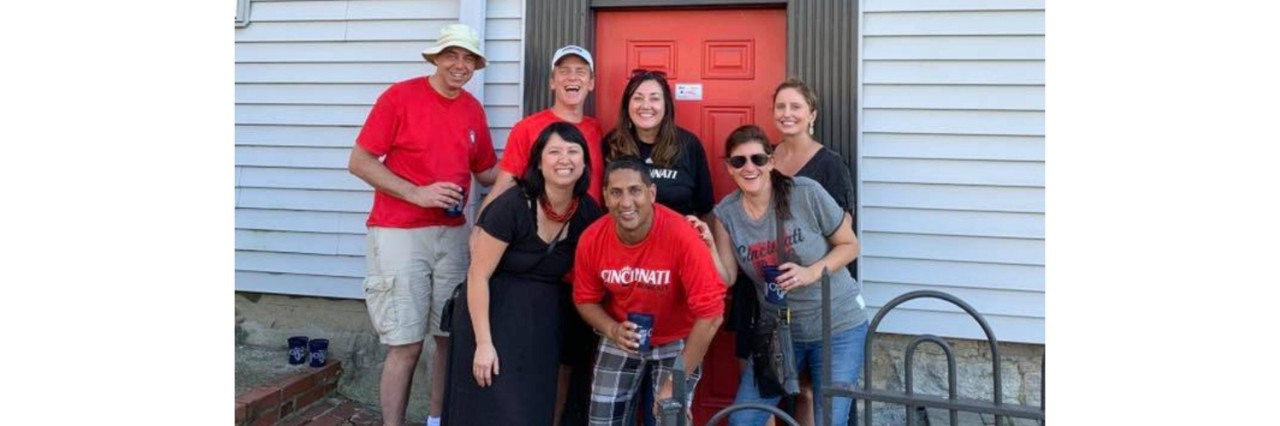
(297, 350)
(773, 292)
(456, 210)
(644, 326)
(319, 351)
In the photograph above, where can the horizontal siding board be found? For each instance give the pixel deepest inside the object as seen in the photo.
(950, 5)
(503, 29)
(354, 10)
(301, 221)
(316, 179)
(954, 248)
(503, 8)
(903, 320)
(1025, 98)
(503, 72)
(297, 199)
(950, 222)
(295, 263)
(303, 285)
(313, 94)
(354, 51)
(503, 50)
(957, 48)
(396, 30)
(329, 115)
(940, 273)
(953, 197)
(300, 242)
(292, 31)
(957, 147)
(331, 73)
(502, 95)
(987, 301)
(954, 121)
(953, 172)
(297, 157)
(403, 9)
(1029, 22)
(953, 72)
(275, 135)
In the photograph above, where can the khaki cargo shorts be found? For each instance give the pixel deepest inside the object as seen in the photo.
(409, 275)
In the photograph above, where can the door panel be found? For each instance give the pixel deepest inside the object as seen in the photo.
(736, 58)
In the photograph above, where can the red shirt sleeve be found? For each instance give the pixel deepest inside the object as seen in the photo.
(587, 286)
(702, 282)
(515, 155)
(381, 126)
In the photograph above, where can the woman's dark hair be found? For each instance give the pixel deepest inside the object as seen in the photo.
(781, 183)
(623, 140)
(533, 183)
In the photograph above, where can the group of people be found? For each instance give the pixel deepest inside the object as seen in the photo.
(594, 255)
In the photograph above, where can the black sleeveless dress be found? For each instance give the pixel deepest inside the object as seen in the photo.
(527, 315)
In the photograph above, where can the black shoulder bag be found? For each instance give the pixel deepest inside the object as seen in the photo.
(446, 313)
(772, 357)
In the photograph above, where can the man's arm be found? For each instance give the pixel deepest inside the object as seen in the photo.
(366, 166)
(501, 183)
(487, 177)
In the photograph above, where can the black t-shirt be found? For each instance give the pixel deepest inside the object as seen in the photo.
(828, 169)
(511, 218)
(686, 186)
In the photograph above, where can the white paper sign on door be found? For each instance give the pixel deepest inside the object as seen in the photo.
(689, 91)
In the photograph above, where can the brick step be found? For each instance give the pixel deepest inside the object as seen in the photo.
(268, 404)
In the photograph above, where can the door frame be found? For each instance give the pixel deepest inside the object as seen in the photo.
(822, 49)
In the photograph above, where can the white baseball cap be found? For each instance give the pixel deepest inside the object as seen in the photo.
(456, 35)
(573, 50)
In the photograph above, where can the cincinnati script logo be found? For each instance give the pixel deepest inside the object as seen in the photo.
(645, 279)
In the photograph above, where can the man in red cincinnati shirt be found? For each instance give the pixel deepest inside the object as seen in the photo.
(433, 137)
(648, 259)
(572, 79)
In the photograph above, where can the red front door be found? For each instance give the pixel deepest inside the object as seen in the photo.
(723, 66)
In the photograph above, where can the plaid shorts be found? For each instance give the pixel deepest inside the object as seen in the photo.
(616, 378)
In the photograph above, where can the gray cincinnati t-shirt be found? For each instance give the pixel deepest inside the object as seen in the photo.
(815, 216)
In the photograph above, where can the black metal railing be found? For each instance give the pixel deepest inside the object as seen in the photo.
(916, 403)
(673, 410)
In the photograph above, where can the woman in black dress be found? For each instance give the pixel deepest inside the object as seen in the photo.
(505, 351)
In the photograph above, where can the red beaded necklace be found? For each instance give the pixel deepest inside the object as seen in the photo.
(551, 213)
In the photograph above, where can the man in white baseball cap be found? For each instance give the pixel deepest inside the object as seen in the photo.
(433, 137)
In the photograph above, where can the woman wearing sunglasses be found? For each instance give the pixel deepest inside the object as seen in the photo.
(509, 330)
(817, 234)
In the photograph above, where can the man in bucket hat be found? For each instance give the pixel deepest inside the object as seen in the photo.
(432, 136)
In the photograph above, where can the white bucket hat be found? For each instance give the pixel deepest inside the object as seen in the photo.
(458, 35)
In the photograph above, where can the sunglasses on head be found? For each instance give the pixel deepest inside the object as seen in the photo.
(738, 161)
(642, 72)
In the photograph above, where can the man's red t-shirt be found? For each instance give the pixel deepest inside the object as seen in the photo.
(515, 156)
(670, 274)
(426, 138)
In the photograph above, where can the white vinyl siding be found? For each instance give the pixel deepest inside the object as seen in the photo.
(952, 163)
(307, 73)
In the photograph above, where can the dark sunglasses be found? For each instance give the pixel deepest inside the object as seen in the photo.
(643, 72)
(738, 161)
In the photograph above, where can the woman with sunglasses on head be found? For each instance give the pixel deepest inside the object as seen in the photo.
(647, 129)
(816, 234)
(677, 164)
(508, 331)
